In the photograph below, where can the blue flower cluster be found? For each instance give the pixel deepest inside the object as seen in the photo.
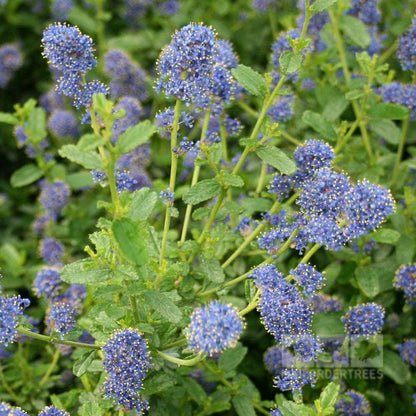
(405, 280)
(11, 307)
(364, 320)
(63, 123)
(353, 404)
(54, 197)
(282, 109)
(366, 10)
(71, 53)
(323, 303)
(294, 379)
(308, 278)
(408, 352)
(51, 251)
(277, 358)
(406, 51)
(47, 283)
(11, 60)
(127, 78)
(402, 94)
(61, 8)
(7, 410)
(61, 317)
(126, 362)
(214, 328)
(53, 411)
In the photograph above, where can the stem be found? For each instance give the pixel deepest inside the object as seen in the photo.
(260, 184)
(175, 344)
(189, 363)
(195, 177)
(172, 181)
(289, 137)
(6, 385)
(400, 149)
(310, 253)
(47, 339)
(252, 305)
(51, 367)
(134, 308)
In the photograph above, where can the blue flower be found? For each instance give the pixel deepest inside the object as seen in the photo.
(214, 327)
(61, 317)
(11, 308)
(277, 358)
(366, 10)
(133, 111)
(7, 410)
(67, 49)
(355, 404)
(54, 197)
(63, 124)
(365, 320)
(402, 94)
(126, 362)
(275, 412)
(294, 379)
(60, 9)
(323, 303)
(53, 411)
(405, 280)
(313, 155)
(47, 282)
(185, 66)
(10, 61)
(408, 352)
(406, 51)
(282, 109)
(308, 278)
(51, 251)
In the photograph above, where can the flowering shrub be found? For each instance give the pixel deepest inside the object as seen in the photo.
(222, 222)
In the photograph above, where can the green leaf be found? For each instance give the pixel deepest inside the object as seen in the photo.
(131, 240)
(25, 175)
(321, 5)
(142, 204)
(388, 111)
(202, 191)
(85, 271)
(8, 118)
(290, 62)
(320, 124)
(395, 368)
(135, 136)
(156, 383)
(368, 281)
(329, 395)
(288, 408)
(387, 129)
(356, 30)
(81, 18)
(354, 94)
(89, 160)
(256, 205)
(79, 180)
(232, 357)
(90, 142)
(328, 325)
(276, 158)
(91, 409)
(233, 180)
(163, 304)
(243, 406)
(251, 80)
(213, 270)
(386, 236)
(405, 249)
(194, 390)
(81, 364)
(36, 125)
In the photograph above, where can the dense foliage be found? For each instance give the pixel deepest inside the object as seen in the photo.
(207, 207)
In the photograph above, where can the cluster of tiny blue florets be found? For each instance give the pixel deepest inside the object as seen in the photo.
(406, 51)
(63, 124)
(61, 8)
(294, 379)
(282, 109)
(51, 251)
(214, 328)
(308, 278)
(47, 283)
(366, 10)
(7, 410)
(355, 404)
(365, 320)
(405, 280)
(11, 307)
(126, 362)
(401, 94)
(11, 60)
(61, 317)
(276, 358)
(53, 411)
(408, 352)
(323, 303)
(54, 197)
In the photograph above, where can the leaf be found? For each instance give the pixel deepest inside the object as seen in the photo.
(91, 409)
(328, 325)
(388, 111)
(395, 368)
(233, 180)
(85, 271)
(202, 191)
(367, 278)
(194, 390)
(386, 236)
(232, 357)
(135, 136)
(243, 406)
(81, 365)
(142, 204)
(321, 5)
(213, 270)
(256, 205)
(405, 249)
(329, 395)
(387, 129)
(81, 18)
(251, 80)
(290, 62)
(89, 160)
(8, 118)
(79, 180)
(162, 304)
(320, 124)
(131, 240)
(36, 125)
(90, 142)
(356, 30)
(276, 158)
(25, 175)
(156, 383)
